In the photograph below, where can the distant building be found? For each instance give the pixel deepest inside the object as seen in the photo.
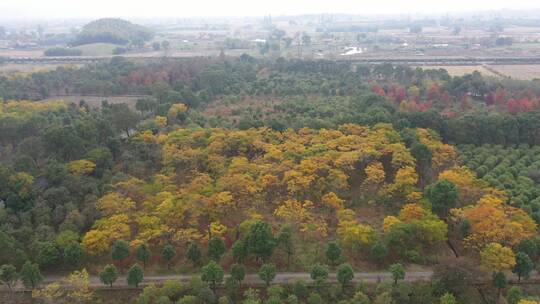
(354, 50)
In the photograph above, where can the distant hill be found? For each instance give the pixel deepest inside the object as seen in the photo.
(116, 31)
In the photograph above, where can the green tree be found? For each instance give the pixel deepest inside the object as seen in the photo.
(239, 251)
(9, 248)
(456, 276)
(30, 275)
(292, 299)
(529, 247)
(319, 274)
(499, 281)
(216, 248)
(300, 289)
(238, 272)
(163, 300)
(123, 118)
(286, 243)
(315, 298)
(142, 253)
(260, 241)
(74, 254)
(120, 251)
(213, 274)
(135, 275)
(206, 295)
(8, 276)
(267, 273)
(443, 195)
(514, 295)
(48, 254)
(108, 275)
(333, 252)
(448, 298)
(384, 298)
(168, 253)
(524, 266)
(423, 157)
(345, 274)
(65, 238)
(398, 272)
(194, 254)
(378, 252)
(231, 289)
(360, 298)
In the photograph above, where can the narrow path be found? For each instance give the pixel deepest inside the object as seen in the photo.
(281, 278)
(251, 279)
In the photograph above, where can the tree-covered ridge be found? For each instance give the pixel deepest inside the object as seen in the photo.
(111, 30)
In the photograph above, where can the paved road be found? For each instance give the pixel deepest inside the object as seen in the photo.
(253, 279)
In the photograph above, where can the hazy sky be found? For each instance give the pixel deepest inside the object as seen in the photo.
(19, 9)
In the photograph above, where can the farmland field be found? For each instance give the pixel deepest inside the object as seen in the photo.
(97, 49)
(458, 70)
(522, 72)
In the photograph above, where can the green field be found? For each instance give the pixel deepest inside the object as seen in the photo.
(97, 49)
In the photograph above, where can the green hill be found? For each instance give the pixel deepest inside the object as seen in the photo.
(115, 31)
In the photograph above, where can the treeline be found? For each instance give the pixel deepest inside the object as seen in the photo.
(59, 51)
(467, 109)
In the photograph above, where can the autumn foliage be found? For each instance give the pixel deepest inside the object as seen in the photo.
(220, 177)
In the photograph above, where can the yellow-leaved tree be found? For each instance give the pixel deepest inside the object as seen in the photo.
(495, 257)
(81, 167)
(493, 221)
(352, 234)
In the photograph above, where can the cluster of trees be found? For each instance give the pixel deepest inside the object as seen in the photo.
(57, 160)
(468, 109)
(29, 275)
(217, 182)
(74, 184)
